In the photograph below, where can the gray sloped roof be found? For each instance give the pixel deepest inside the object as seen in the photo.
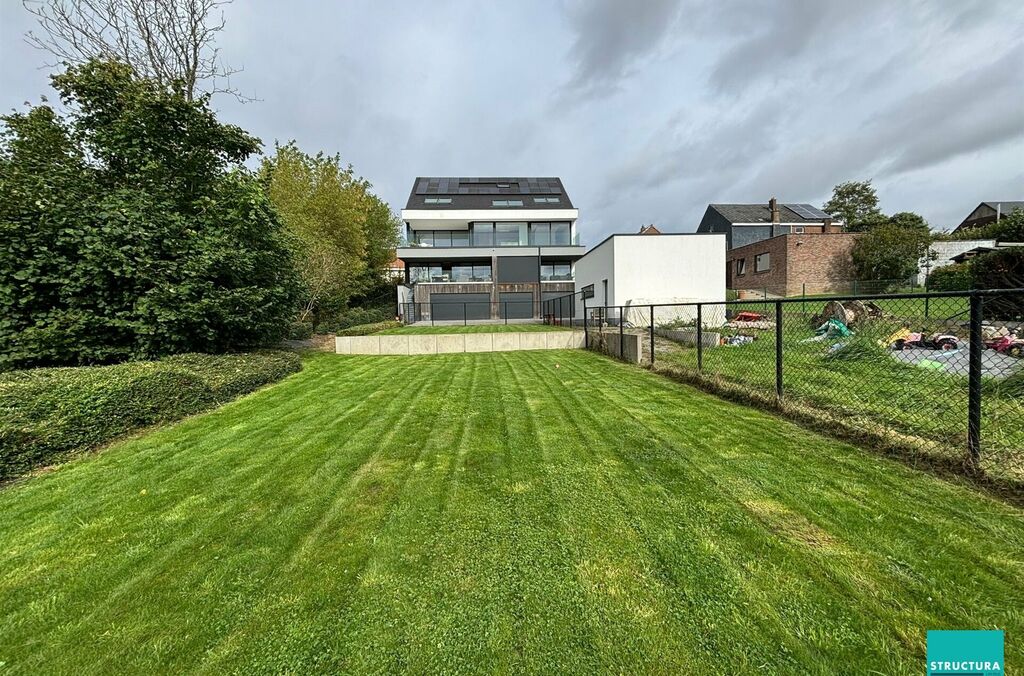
(760, 213)
(477, 192)
(1005, 207)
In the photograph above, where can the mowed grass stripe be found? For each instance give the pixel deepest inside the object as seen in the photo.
(699, 576)
(857, 572)
(491, 512)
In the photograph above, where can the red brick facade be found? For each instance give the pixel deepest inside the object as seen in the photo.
(793, 264)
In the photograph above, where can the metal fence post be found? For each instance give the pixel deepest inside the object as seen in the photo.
(974, 383)
(464, 322)
(622, 347)
(652, 335)
(700, 337)
(778, 349)
(431, 314)
(586, 327)
(505, 311)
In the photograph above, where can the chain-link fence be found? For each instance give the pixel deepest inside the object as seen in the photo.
(936, 376)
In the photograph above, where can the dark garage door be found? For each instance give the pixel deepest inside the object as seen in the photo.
(449, 306)
(516, 304)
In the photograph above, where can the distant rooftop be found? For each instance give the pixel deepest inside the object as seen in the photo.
(760, 213)
(496, 192)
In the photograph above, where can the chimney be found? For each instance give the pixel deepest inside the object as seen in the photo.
(828, 225)
(773, 206)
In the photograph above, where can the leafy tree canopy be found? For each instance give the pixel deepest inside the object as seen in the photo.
(856, 203)
(131, 229)
(345, 234)
(893, 249)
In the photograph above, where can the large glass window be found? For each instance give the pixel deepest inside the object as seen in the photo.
(423, 237)
(438, 274)
(762, 262)
(481, 273)
(510, 234)
(560, 235)
(442, 238)
(483, 234)
(460, 237)
(540, 234)
(556, 272)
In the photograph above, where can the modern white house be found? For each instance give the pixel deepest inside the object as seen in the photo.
(484, 248)
(636, 271)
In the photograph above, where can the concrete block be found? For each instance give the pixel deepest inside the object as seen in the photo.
(422, 344)
(563, 340)
(505, 342)
(533, 341)
(479, 342)
(365, 344)
(394, 344)
(450, 342)
(343, 345)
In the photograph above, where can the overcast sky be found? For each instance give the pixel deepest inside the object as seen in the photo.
(647, 109)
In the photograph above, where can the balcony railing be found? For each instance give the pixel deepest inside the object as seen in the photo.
(412, 243)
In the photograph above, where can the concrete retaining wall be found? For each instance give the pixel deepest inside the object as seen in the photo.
(444, 343)
(608, 343)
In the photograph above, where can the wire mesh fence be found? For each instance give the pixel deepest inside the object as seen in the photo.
(936, 376)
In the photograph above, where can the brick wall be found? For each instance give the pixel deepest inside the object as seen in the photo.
(819, 263)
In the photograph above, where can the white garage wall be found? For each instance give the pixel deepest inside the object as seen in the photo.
(654, 269)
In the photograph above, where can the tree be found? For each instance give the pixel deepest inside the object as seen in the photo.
(131, 229)
(892, 250)
(857, 204)
(1009, 228)
(325, 207)
(172, 42)
(345, 235)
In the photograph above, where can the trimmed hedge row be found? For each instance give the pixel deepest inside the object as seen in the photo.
(48, 413)
(368, 329)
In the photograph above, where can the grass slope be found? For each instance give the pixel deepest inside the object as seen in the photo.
(473, 328)
(542, 511)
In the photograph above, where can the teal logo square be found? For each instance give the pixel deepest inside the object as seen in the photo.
(965, 653)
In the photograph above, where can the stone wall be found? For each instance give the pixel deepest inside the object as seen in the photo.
(442, 343)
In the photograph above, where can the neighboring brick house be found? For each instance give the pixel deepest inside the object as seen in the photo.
(745, 224)
(788, 265)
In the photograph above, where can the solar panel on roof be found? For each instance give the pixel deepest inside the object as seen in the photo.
(807, 211)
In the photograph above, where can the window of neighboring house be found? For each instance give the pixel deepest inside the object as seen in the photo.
(483, 234)
(560, 234)
(437, 200)
(587, 291)
(506, 203)
(604, 290)
(762, 262)
(798, 230)
(442, 238)
(540, 234)
(741, 266)
(556, 272)
(510, 234)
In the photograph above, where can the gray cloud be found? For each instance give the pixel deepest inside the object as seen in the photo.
(647, 110)
(612, 37)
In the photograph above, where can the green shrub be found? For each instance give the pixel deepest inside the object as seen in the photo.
(299, 331)
(356, 317)
(367, 329)
(956, 277)
(48, 413)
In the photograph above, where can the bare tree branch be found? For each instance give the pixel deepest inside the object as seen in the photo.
(171, 41)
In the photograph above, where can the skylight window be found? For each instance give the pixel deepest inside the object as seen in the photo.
(547, 200)
(506, 203)
(438, 200)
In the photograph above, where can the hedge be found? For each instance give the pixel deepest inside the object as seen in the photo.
(368, 329)
(47, 414)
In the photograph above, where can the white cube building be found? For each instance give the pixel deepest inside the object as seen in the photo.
(639, 270)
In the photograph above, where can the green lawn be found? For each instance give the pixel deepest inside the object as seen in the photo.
(472, 328)
(531, 511)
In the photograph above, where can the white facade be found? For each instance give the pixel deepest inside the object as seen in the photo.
(633, 271)
(944, 253)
